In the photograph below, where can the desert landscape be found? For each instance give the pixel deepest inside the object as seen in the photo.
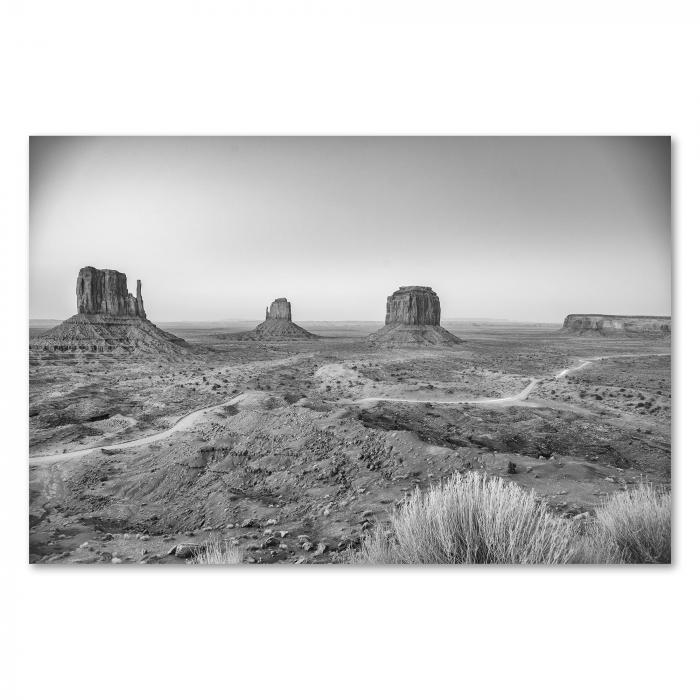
(350, 350)
(296, 445)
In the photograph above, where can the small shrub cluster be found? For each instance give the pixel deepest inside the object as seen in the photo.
(637, 524)
(218, 552)
(473, 519)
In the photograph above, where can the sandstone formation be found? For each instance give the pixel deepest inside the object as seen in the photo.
(279, 309)
(602, 324)
(105, 292)
(413, 316)
(278, 325)
(413, 306)
(109, 320)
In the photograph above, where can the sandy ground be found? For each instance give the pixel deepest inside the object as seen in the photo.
(294, 450)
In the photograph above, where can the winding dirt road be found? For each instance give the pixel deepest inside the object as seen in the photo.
(182, 424)
(190, 419)
(513, 398)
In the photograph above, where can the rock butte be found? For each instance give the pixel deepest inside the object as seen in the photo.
(105, 292)
(109, 320)
(603, 324)
(278, 325)
(413, 317)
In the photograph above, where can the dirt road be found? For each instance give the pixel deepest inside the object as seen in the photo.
(188, 420)
(513, 398)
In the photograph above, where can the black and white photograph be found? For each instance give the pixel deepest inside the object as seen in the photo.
(350, 350)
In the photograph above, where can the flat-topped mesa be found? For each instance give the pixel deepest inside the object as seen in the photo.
(413, 306)
(280, 309)
(413, 317)
(105, 292)
(605, 324)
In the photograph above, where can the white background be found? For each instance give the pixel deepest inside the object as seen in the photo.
(347, 67)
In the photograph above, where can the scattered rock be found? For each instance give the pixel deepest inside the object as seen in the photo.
(185, 550)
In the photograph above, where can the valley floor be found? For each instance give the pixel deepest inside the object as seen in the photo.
(294, 450)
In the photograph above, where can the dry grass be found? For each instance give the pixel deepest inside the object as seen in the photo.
(638, 524)
(218, 552)
(472, 519)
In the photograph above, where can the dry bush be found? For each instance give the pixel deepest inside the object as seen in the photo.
(218, 552)
(638, 524)
(471, 520)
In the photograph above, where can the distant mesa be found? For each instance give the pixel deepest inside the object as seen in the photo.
(278, 325)
(603, 324)
(413, 317)
(109, 320)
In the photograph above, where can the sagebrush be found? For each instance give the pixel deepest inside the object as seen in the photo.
(473, 519)
(218, 552)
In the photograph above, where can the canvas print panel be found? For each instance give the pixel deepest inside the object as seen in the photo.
(350, 350)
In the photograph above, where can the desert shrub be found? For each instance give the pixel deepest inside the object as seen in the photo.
(470, 520)
(473, 519)
(638, 523)
(218, 551)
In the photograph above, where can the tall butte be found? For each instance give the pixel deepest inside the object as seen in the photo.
(413, 317)
(278, 325)
(109, 320)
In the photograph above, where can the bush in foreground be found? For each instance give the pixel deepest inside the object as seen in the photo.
(218, 552)
(472, 519)
(638, 524)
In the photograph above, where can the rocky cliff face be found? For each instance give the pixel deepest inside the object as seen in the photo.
(279, 309)
(413, 317)
(602, 324)
(413, 306)
(105, 292)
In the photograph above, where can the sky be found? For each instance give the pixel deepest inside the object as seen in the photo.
(518, 228)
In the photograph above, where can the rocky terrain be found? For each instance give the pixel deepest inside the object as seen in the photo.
(109, 320)
(413, 317)
(601, 324)
(293, 451)
(277, 325)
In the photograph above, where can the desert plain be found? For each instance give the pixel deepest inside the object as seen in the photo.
(293, 450)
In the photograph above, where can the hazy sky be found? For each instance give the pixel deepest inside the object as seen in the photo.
(520, 228)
